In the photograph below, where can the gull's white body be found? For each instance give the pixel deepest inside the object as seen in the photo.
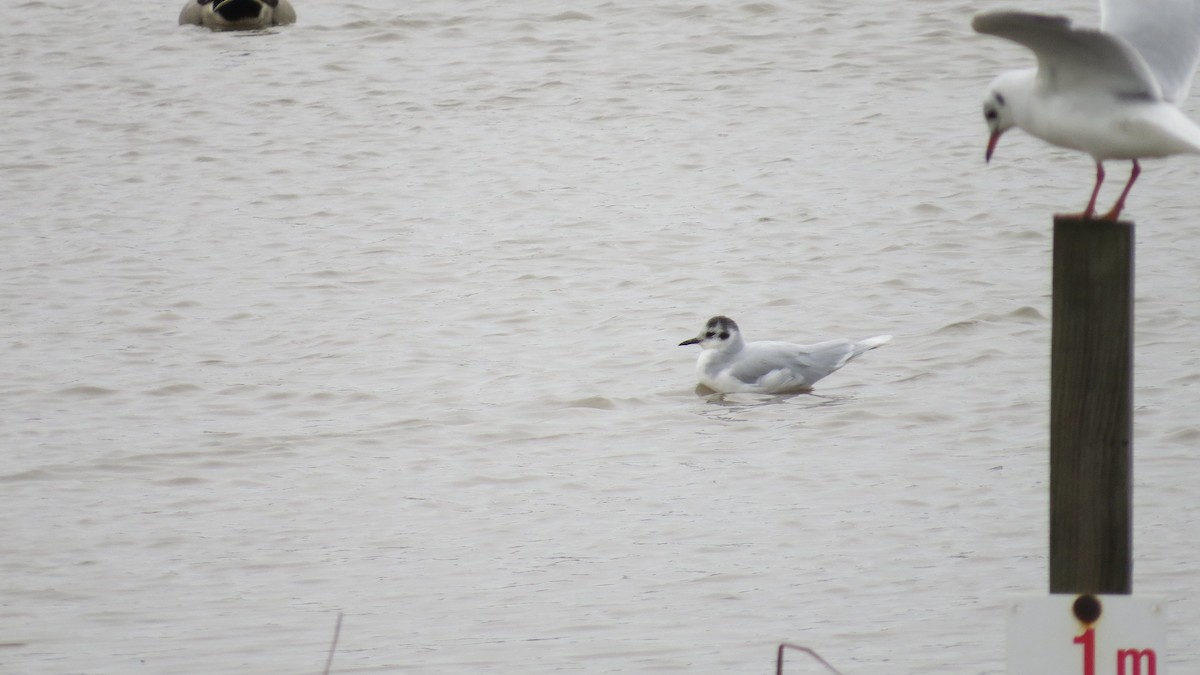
(1089, 122)
(729, 364)
(1112, 93)
(253, 15)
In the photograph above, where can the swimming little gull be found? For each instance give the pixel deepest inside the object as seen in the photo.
(728, 364)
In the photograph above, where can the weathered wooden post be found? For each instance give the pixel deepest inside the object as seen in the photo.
(1090, 623)
(1091, 407)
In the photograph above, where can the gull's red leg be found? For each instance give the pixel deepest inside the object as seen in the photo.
(1116, 209)
(1091, 207)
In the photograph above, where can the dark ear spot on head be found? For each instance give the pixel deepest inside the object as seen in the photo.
(999, 98)
(724, 335)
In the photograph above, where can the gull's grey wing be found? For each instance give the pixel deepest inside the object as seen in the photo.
(808, 363)
(865, 345)
(758, 359)
(826, 357)
(1071, 58)
(1165, 32)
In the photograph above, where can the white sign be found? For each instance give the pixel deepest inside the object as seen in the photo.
(1087, 635)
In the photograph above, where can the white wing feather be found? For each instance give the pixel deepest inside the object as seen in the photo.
(1165, 32)
(1072, 58)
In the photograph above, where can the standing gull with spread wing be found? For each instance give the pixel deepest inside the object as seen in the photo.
(1112, 93)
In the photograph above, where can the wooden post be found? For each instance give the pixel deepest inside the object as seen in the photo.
(1091, 407)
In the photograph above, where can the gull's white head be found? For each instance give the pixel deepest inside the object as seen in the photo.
(719, 333)
(1002, 95)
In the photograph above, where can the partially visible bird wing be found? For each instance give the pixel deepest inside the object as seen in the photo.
(1165, 32)
(1070, 58)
